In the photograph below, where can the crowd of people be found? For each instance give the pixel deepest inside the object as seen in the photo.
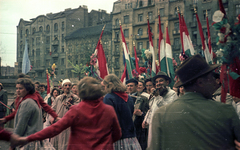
(139, 114)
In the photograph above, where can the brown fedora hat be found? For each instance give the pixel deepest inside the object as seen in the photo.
(192, 68)
(161, 74)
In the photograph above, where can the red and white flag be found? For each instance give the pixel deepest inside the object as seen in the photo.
(204, 43)
(161, 48)
(101, 59)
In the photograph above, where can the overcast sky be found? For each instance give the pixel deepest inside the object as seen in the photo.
(11, 11)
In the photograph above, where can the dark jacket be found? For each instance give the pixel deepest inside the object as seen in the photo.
(194, 122)
(124, 111)
(4, 99)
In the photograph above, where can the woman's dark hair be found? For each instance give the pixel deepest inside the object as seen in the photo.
(89, 88)
(58, 91)
(27, 83)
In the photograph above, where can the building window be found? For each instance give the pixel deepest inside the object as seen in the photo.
(126, 33)
(62, 49)
(48, 40)
(126, 19)
(63, 26)
(161, 11)
(237, 7)
(176, 42)
(117, 50)
(55, 27)
(116, 35)
(40, 29)
(62, 72)
(126, 6)
(117, 22)
(140, 45)
(38, 41)
(140, 17)
(208, 13)
(48, 62)
(149, 2)
(48, 28)
(176, 11)
(150, 30)
(38, 52)
(32, 63)
(55, 60)
(47, 50)
(194, 1)
(129, 5)
(55, 37)
(33, 52)
(32, 41)
(117, 63)
(147, 45)
(150, 15)
(176, 27)
(27, 32)
(38, 65)
(21, 34)
(194, 19)
(62, 61)
(34, 30)
(55, 49)
(62, 37)
(140, 31)
(194, 37)
(141, 3)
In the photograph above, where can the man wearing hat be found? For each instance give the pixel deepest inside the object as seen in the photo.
(61, 105)
(140, 106)
(163, 96)
(4, 100)
(194, 120)
(132, 87)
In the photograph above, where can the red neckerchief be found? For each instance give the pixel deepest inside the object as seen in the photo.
(123, 95)
(32, 96)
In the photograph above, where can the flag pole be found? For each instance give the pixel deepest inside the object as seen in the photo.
(5, 105)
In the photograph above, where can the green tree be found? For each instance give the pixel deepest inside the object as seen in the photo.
(78, 69)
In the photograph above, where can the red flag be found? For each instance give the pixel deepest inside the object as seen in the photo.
(153, 71)
(136, 59)
(204, 44)
(181, 30)
(123, 77)
(221, 7)
(48, 84)
(209, 40)
(160, 42)
(101, 59)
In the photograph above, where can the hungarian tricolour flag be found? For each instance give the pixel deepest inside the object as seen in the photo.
(161, 48)
(153, 72)
(169, 64)
(126, 55)
(187, 42)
